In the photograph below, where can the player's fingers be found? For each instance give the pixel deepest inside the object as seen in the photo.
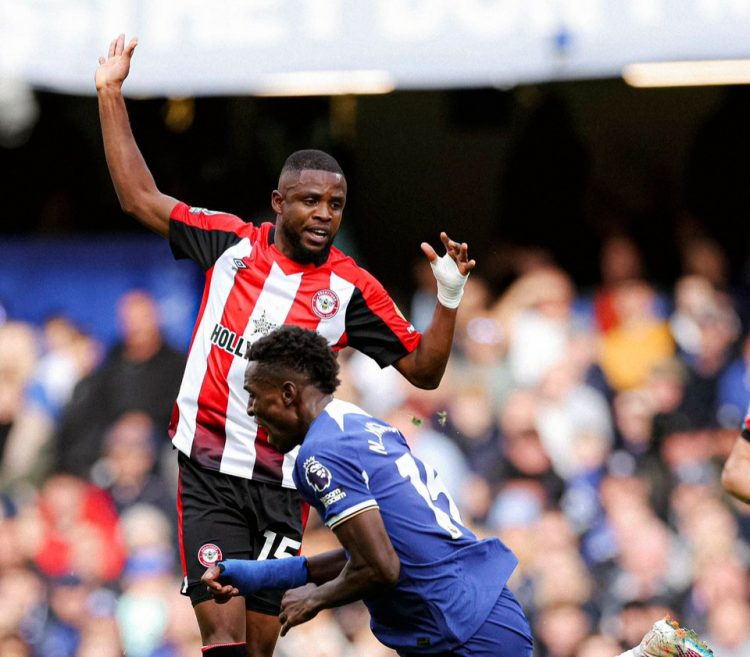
(120, 45)
(102, 60)
(429, 251)
(131, 46)
(112, 45)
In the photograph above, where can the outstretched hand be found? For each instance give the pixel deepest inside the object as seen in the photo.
(115, 67)
(221, 592)
(459, 253)
(451, 270)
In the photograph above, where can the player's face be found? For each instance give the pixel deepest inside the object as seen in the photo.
(270, 404)
(309, 206)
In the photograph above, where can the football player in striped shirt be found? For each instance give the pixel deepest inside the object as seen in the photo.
(236, 496)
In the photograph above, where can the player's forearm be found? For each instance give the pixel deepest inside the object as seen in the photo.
(324, 567)
(425, 366)
(354, 582)
(133, 182)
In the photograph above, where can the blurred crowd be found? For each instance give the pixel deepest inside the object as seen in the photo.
(585, 427)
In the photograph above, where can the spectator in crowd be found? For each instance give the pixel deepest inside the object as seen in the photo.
(733, 389)
(68, 354)
(526, 462)
(620, 261)
(639, 341)
(536, 313)
(78, 531)
(18, 358)
(127, 467)
(141, 373)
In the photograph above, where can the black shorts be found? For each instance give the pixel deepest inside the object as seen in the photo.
(226, 517)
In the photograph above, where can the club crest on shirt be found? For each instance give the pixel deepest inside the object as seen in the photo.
(209, 554)
(325, 303)
(317, 475)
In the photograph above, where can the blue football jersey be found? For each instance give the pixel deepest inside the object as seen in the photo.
(350, 462)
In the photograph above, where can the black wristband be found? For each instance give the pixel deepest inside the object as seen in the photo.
(745, 433)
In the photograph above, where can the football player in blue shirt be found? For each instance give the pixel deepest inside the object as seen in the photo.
(431, 586)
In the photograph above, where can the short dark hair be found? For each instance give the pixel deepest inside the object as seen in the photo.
(301, 351)
(311, 159)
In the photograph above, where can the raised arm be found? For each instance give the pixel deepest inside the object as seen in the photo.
(424, 367)
(372, 565)
(133, 182)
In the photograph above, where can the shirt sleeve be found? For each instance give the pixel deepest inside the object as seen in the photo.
(376, 327)
(203, 235)
(334, 482)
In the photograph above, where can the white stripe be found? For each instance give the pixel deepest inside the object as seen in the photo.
(222, 282)
(287, 468)
(352, 510)
(332, 329)
(272, 307)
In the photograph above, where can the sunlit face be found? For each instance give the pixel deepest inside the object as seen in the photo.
(309, 206)
(270, 402)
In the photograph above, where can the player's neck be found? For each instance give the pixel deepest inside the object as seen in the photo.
(313, 404)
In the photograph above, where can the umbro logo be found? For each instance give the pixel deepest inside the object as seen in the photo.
(237, 263)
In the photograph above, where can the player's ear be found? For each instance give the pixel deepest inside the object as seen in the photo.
(289, 392)
(277, 201)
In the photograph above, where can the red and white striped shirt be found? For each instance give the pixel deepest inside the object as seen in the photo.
(251, 288)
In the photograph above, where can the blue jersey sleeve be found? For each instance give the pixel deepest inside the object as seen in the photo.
(331, 478)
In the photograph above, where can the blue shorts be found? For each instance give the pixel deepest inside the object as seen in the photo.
(505, 633)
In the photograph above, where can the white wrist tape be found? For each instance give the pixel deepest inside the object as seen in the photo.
(450, 281)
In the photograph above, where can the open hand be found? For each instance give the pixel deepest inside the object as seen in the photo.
(115, 67)
(458, 252)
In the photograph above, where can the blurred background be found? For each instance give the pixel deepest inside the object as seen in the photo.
(595, 156)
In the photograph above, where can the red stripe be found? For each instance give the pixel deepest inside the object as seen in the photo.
(210, 435)
(301, 313)
(221, 645)
(268, 460)
(180, 533)
(305, 510)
